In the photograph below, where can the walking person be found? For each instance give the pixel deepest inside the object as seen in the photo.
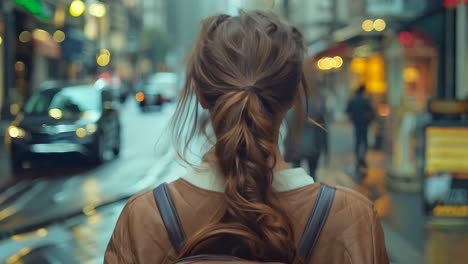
(361, 114)
(310, 142)
(243, 202)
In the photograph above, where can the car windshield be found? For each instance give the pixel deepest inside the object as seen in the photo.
(70, 101)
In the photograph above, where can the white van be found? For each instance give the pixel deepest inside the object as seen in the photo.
(166, 83)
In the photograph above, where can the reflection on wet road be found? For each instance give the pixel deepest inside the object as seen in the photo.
(58, 189)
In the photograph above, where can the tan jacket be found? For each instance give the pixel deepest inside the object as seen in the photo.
(352, 233)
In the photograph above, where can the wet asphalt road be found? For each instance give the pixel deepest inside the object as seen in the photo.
(57, 188)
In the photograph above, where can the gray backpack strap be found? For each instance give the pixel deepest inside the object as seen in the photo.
(316, 221)
(169, 216)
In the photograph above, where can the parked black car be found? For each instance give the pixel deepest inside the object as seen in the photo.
(70, 119)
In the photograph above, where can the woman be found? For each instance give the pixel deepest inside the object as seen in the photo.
(245, 200)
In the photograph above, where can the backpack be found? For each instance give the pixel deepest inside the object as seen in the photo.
(176, 233)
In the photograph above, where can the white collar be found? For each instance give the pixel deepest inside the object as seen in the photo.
(285, 180)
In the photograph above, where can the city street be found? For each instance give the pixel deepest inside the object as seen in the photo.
(67, 186)
(83, 205)
(88, 89)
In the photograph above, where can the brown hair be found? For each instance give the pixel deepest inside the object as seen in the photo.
(256, 49)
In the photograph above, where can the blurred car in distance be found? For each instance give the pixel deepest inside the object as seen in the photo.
(156, 90)
(66, 119)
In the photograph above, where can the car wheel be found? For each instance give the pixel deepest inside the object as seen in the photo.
(17, 165)
(116, 149)
(104, 149)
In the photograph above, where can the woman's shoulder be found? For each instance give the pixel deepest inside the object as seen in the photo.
(346, 197)
(143, 206)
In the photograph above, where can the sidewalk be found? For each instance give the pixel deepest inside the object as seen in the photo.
(401, 213)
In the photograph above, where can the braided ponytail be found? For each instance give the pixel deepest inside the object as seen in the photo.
(254, 49)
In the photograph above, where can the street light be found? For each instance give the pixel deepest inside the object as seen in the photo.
(368, 25)
(77, 8)
(25, 36)
(379, 24)
(97, 9)
(59, 36)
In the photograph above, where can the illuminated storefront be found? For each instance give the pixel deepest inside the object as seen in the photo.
(412, 79)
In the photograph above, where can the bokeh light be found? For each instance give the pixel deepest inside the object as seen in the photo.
(25, 36)
(77, 8)
(55, 113)
(379, 25)
(59, 36)
(97, 9)
(19, 66)
(81, 132)
(368, 25)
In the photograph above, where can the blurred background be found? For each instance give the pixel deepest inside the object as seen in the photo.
(87, 89)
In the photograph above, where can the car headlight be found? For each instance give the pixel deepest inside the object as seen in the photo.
(16, 132)
(87, 130)
(91, 128)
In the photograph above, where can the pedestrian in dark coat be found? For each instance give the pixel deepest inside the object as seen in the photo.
(361, 113)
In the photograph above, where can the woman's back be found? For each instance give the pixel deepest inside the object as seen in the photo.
(352, 233)
(246, 71)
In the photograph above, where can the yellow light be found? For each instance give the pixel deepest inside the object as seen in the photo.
(140, 97)
(77, 8)
(379, 24)
(55, 113)
(410, 74)
(81, 132)
(332, 63)
(5, 213)
(1, 40)
(328, 64)
(105, 52)
(97, 9)
(16, 257)
(338, 61)
(59, 36)
(91, 128)
(19, 66)
(368, 25)
(358, 65)
(42, 232)
(41, 34)
(103, 60)
(25, 36)
(325, 63)
(24, 251)
(59, 17)
(16, 132)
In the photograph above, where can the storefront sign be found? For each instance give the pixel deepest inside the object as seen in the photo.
(35, 7)
(446, 170)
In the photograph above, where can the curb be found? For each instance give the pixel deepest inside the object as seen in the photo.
(403, 184)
